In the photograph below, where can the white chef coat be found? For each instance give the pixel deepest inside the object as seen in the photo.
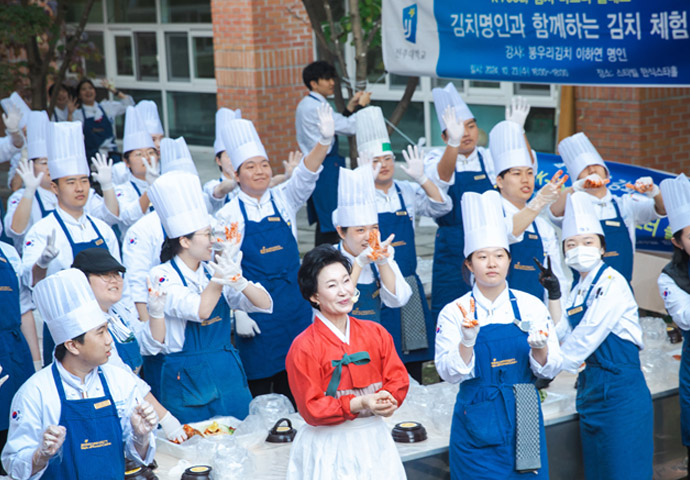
(7, 149)
(59, 114)
(141, 251)
(212, 203)
(182, 303)
(450, 365)
(676, 301)
(81, 230)
(464, 163)
(38, 406)
(417, 202)
(403, 291)
(112, 109)
(611, 309)
(289, 197)
(307, 123)
(128, 200)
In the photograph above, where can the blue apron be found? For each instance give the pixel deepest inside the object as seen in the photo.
(15, 356)
(136, 189)
(523, 274)
(619, 248)
(205, 379)
(271, 258)
(683, 389)
(447, 283)
(93, 447)
(96, 132)
(482, 435)
(368, 307)
(98, 242)
(324, 198)
(615, 407)
(129, 349)
(44, 212)
(400, 224)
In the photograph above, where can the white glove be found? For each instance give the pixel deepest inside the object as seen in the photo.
(544, 197)
(537, 339)
(52, 440)
(12, 119)
(173, 428)
(517, 111)
(25, 170)
(454, 128)
(469, 328)
(385, 252)
(326, 124)
(245, 326)
(153, 170)
(49, 252)
(365, 258)
(227, 270)
(293, 161)
(143, 421)
(590, 181)
(156, 301)
(415, 164)
(645, 186)
(104, 171)
(3, 379)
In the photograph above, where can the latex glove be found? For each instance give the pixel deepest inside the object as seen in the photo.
(538, 339)
(548, 194)
(326, 124)
(3, 379)
(455, 129)
(156, 301)
(12, 119)
(645, 186)
(365, 257)
(548, 280)
(245, 326)
(414, 164)
(227, 270)
(590, 181)
(470, 326)
(293, 161)
(52, 440)
(49, 252)
(143, 421)
(366, 160)
(104, 171)
(25, 170)
(517, 111)
(380, 252)
(153, 170)
(172, 428)
(108, 84)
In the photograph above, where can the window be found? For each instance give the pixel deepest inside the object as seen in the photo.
(139, 95)
(131, 11)
(203, 57)
(178, 56)
(185, 11)
(189, 114)
(146, 56)
(123, 53)
(95, 62)
(75, 9)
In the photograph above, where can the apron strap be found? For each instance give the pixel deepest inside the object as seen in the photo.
(179, 272)
(359, 358)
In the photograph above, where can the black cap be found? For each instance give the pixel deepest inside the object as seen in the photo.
(96, 260)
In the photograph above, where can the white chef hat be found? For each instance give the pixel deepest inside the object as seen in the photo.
(175, 156)
(449, 96)
(580, 217)
(223, 115)
(508, 147)
(136, 135)
(16, 100)
(37, 135)
(372, 134)
(148, 112)
(66, 153)
(578, 153)
(676, 195)
(241, 141)
(482, 221)
(67, 305)
(179, 202)
(356, 198)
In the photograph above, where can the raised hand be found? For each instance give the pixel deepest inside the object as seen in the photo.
(547, 279)
(153, 170)
(156, 301)
(645, 186)
(517, 111)
(326, 124)
(292, 162)
(143, 421)
(12, 119)
(104, 171)
(455, 129)
(470, 325)
(538, 339)
(590, 182)
(414, 164)
(25, 170)
(49, 252)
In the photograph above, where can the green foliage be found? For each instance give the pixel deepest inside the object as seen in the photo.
(370, 13)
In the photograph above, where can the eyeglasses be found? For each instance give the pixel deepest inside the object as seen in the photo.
(109, 276)
(208, 235)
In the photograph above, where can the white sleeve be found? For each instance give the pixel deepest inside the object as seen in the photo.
(542, 321)
(676, 301)
(238, 301)
(298, 188)
(181, 302)
(449, 364)
(96, 207)
(12, 204)
(213, 204)
(7, 149)
(34, 243)
(130, 209)
(403, 291)
(139, 257)
(640, 208)
(113, 108)
(423, 204)
(431, 161)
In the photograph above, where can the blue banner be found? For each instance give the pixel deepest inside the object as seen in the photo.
(606, 42)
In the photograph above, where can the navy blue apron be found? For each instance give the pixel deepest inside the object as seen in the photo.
(15, 356)
(523, 274)
(368, 307)
(683, 389)
(96, 132)
(271, 257)
(129, 349)
(619, 248)
(447, 283)
(400, 224)
(44, 212)
(136, 189)
(206, 378)
(324, 198)
(482, 435)
(93, 447)
(98, 242)
(615, 407)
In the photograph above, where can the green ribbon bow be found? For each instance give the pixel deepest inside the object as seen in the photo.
(359, 358)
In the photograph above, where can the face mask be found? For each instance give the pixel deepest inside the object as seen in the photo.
(582, 259)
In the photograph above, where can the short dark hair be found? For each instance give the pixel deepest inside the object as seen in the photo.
(316, 71)
(82, 82)
(680, 257)
(218, 157)
(467, 274)
(314, 261)
(61, 351)
(171, 247)
(62, 87)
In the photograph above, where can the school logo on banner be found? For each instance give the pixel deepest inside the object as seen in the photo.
(409, 19)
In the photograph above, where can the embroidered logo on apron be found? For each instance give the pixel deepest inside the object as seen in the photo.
(103, 404)
(275, 248)
(502, 363)
(612, 223)
(611, 254)
(527, 268)
(86, 445)
(480, 177)
(399, 244)
(210, 321)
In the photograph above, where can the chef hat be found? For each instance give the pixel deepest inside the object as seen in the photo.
(136, 135)
(36, 135)
(148, 113)
(179, 202)
(676, 195)
(482, 221)
(223, 115)
(372, 134)
(67, 305)
(580, 217)
(356, 198)
(175, 156)
(508, 147)
(241, 141)
(16, 100)
(66, 154)
(578, 153)
(449, 96)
